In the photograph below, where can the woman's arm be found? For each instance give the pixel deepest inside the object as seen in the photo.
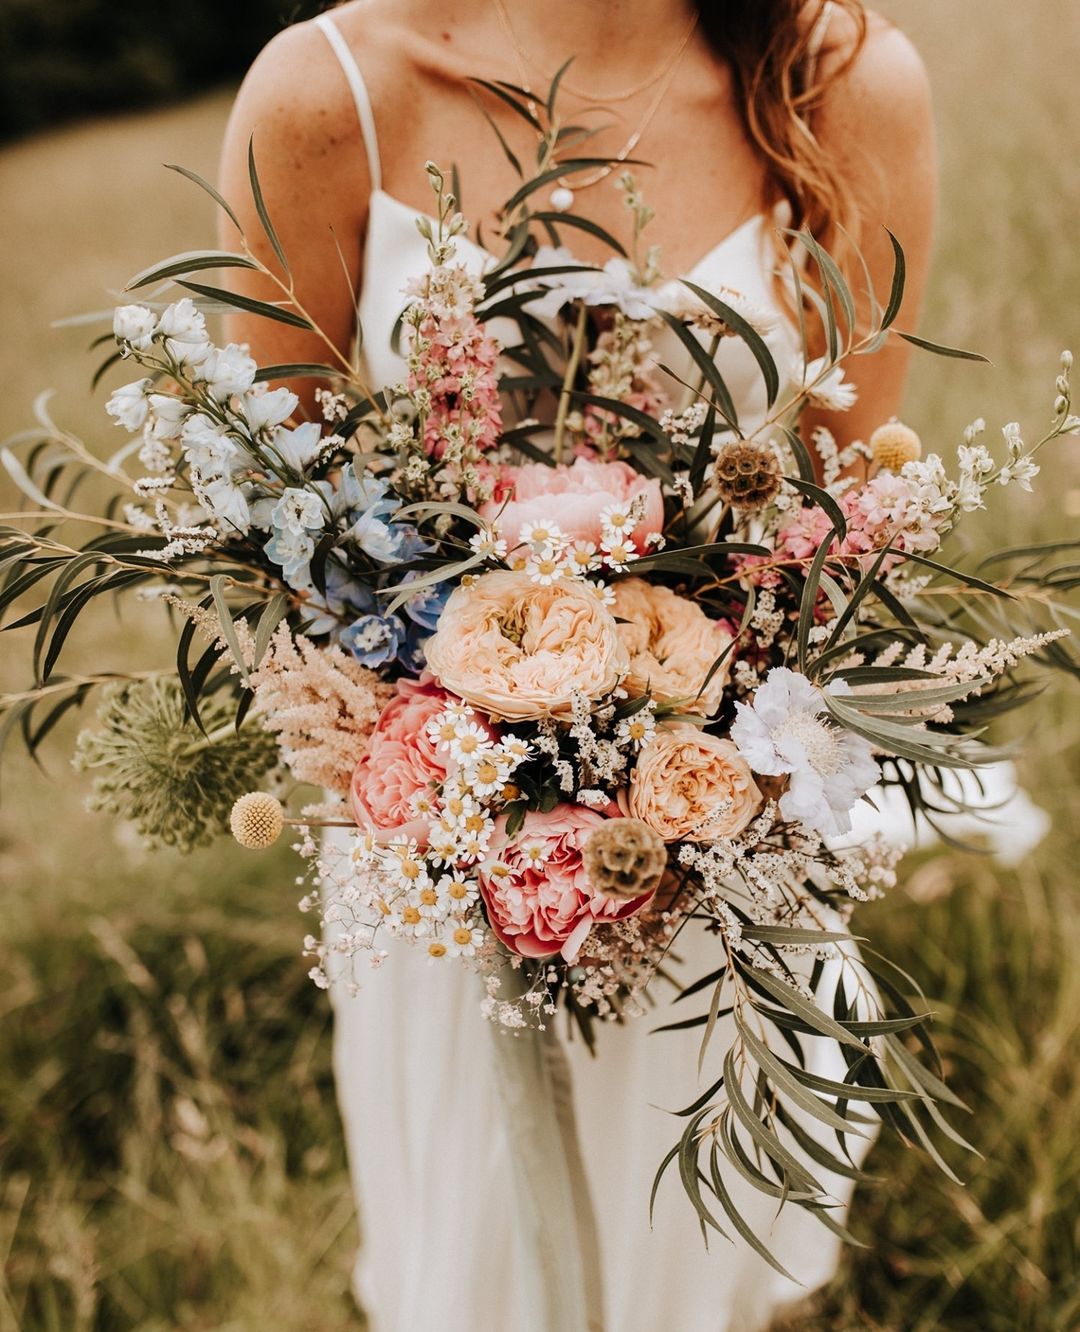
(314, 176)
(878, 122)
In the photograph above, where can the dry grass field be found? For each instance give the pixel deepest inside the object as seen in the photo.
(170, 1155)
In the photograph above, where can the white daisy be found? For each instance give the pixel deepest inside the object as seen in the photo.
(463, 940)
(457, 893)
(488, 543)
(545, 566)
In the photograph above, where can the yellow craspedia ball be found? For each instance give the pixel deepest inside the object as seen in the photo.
(257, 820)
(894, 444)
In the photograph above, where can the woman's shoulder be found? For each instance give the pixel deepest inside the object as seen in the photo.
(297, 89)
(875, 114)
(876, 66)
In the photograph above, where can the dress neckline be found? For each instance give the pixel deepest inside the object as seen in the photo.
(755, 222)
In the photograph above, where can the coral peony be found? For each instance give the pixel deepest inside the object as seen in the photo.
(518, 650)
(538, 897)
(672, 644)
(400, 762)
(692, 786)
(574, 497)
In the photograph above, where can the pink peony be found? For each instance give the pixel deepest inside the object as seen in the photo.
(574, 497)
(538, 897)
(400, 761)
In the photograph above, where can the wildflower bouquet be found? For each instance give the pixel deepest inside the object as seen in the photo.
(584, 658)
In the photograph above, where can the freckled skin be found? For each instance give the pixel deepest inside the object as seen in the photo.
(418, 57)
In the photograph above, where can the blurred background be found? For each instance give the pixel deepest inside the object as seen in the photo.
(170, 1153)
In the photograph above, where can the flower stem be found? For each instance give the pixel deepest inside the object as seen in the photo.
(568, 380)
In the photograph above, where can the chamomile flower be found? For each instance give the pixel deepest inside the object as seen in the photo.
(489, 773)
(637, 730)
(540, 534)
(463, 940)
(603, 592)
(545, 566)
(474, 847)
(408, 920)
(443, 847)
(469, 741)
(457, 893)
(617, 518)
(619, 553)
(458, 806)
(437, 949)
(515, 749)
(488, 543)
(423, 804)
(582, 558)
(410, 871)
(532, 854)
(429, 902)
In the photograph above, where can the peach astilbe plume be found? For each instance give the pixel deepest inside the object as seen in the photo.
(321, 704)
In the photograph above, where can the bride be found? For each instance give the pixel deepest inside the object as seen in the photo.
(751, 118)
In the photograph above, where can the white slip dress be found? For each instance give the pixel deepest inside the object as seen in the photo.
(414, 1058)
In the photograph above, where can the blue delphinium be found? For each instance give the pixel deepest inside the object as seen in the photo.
(374, 640)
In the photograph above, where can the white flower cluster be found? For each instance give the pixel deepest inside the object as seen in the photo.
(548, 555)
(426, 889)
(223, 428)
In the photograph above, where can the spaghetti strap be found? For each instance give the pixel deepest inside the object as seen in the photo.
(355, 79)
(817, 39)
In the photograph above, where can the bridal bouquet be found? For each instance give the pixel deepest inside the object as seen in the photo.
(581, 655)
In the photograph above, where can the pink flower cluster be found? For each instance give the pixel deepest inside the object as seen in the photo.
(575, 497)
(454, 360)
(538, 898)
(888, 510)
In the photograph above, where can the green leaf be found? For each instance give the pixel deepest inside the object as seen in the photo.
(193, 261)
(940, 350)
(233, 300)
(808, 602)
(710, 372)
(746, 1231)
(218, 583)
(823, 500)
(295, 370)
(205, 185)
(778, 1073)
(790, 999)
(260, 207)
(273, 613)
(899, 280)
(769, 1143)
(582, 224)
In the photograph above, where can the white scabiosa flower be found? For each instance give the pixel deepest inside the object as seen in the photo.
(787, 732)
(129, 405)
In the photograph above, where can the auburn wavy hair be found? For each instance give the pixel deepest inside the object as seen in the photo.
(769, 45)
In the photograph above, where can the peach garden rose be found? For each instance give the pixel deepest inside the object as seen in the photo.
(518, 651)
(672, 644)
(573, 496)
(692, 786)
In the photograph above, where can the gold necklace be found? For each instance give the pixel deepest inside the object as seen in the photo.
(562, 198)
(592, 96)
